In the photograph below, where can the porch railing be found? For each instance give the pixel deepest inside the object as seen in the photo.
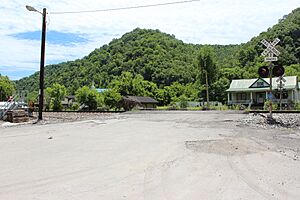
(239, 102)
(284, 101)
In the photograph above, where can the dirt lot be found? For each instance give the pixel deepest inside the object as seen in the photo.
(150, 155)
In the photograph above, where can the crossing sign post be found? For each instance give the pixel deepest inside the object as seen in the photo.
(271, 59)
(270, 51)
(270, 54)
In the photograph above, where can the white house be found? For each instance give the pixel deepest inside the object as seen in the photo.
(255, 91)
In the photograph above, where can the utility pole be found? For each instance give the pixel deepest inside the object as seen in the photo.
(207, 93)
(42, 63)
(42, 66)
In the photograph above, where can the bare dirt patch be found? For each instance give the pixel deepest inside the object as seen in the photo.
(226, 146)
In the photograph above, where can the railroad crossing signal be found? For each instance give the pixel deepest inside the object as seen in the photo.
(271, 59)
(284, 94)
(280, 78)
(277, 71)
(270, 51)
(263, 72)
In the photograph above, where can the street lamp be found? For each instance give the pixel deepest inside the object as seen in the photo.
(30, 8)
(42, 63)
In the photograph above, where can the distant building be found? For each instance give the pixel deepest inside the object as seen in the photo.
(255, 91)
(101, 90)
(129, 102)
(68, 101)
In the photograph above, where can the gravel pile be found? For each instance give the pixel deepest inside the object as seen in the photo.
(58, 117)
(278, 120)
(61, 117)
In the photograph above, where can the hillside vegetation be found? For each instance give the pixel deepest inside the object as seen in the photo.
(7, 88)
(164, 61)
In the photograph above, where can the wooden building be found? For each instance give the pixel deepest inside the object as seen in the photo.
(129, 102)
(253, 92)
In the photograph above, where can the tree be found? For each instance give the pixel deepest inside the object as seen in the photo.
(162, 97)
(127, 84)
(112, 98)
(123, 84)
(219, 89)
(32, 96)
(183, 101)
(92, 102)
(82, 94)
(88, 96)
(293, 70)
(142, 87)
(57, 93)
(7, 88)
(207, 67)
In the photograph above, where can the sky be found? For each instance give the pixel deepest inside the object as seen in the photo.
(73, 36)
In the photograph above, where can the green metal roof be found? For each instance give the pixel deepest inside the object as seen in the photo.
(245, 84)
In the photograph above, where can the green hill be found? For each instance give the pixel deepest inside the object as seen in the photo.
(163, 59)
(157, 56)
(287, 30)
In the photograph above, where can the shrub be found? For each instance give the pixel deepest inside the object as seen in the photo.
(112, 99)
(75, 106)
(183, 101)
(238, 107)
(87, 96)
(57, 93)
(267, 105)
(297, 106)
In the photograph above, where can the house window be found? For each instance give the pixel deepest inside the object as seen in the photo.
(241, 96)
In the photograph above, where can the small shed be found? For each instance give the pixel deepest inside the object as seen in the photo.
(129, 102)
(68, 101)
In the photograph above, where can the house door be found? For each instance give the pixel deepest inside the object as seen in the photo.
(260, 97)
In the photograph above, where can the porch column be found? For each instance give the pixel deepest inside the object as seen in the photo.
(228, 97)
(292, 95)
(267, 96)
(251, 97)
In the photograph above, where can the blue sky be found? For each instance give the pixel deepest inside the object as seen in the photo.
(73, 36)
(53, 37)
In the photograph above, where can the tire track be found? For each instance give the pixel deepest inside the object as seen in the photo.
(250, 183)
(283, 194)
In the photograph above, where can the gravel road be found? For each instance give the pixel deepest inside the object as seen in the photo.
(151, 155)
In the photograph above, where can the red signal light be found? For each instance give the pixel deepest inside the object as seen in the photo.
(285, 95)
(263, 72)
(278, 70)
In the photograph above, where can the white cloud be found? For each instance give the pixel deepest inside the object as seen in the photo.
(205, 22)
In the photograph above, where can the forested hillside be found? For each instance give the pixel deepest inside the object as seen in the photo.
(7, 88)
(162, 59)
(287, 30)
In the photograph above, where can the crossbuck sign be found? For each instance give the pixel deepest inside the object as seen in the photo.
(270, 51)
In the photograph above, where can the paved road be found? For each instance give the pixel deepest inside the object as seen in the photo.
(151, 156)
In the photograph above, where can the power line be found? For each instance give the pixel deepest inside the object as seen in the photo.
(123, 8)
